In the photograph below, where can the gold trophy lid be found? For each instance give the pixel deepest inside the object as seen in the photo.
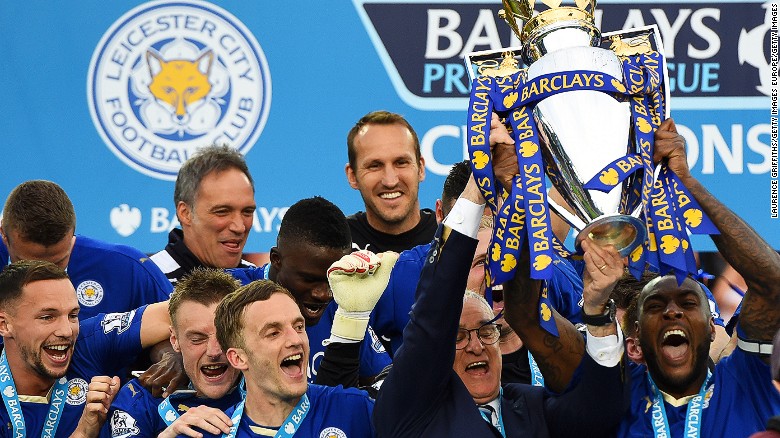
(521, 11)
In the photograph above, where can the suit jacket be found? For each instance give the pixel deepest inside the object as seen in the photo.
(423, 396)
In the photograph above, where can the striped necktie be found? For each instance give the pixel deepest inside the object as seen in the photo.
(488, 413)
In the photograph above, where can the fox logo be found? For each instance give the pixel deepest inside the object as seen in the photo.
(179, 84)
(181, 87)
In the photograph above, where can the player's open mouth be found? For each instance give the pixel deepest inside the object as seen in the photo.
(391, 195)
(58, 353)
(312, 310)
(674, 345)
(477, 368)
(293, 365)
(214, 371)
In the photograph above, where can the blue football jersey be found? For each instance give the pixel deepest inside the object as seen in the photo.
(106, 344)
(111, 278)
(373, 357)
(739, 400)
(391, 313)
(134, 410)
(333, 412)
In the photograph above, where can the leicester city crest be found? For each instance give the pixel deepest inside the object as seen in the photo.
(332, 432)
(77, 392)
(168, 78)
(89, 293)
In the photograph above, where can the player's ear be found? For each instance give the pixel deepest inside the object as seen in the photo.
(5, 325)
(174, 341)
(351, 177)
(237, 358)
(184, 213)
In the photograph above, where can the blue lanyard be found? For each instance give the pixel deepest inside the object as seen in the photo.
(537, 379)
(692, 417)
(14, 407)
(289, 426)
(169, 414)
(500, 425)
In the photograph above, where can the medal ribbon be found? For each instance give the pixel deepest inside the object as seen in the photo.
(14, 407)
(169, 414)
(692, 416)
(500, 425)
(289, 426)
(537, 379)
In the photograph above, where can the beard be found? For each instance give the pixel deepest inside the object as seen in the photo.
(33, 359)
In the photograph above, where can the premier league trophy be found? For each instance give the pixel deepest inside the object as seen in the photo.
(582, 108)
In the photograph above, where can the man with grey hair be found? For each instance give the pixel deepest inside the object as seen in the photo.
(215, 204)
(454, 333)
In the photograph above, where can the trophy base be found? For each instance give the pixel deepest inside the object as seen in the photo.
(622, 231)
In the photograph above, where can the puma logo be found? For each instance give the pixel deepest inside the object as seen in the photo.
(649, 404)
(132, 389)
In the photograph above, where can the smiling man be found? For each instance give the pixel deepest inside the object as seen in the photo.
(49, 356)
(312, 236)
(675, 393)
(215, 204)
(264, 335)
(136, 412)
(446, 377)
(386, 166)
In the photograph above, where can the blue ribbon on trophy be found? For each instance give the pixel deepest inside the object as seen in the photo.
(622, 88)
(525, 212)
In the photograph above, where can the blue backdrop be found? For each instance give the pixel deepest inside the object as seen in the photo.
(289, 79)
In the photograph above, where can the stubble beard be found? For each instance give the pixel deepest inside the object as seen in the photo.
(33, 359)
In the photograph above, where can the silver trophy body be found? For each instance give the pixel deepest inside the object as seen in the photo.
(581, 132)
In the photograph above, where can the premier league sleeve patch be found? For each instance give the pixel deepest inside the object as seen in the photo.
(117, 321)
(376, 344)
(123, 425)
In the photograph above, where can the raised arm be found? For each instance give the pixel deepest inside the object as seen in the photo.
(740, 245)
(558, 357)
(155, 324)
(423, 364)
(357, 281)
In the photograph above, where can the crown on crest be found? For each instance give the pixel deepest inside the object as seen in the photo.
(519, 13)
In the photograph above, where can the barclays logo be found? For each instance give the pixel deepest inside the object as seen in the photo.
(125, 219)
(706, 55)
